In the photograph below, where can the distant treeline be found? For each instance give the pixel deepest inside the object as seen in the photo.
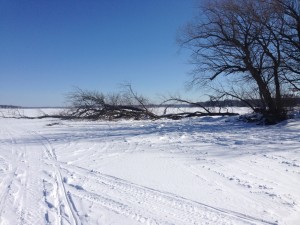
(288, 101)
(34, 107)
(9, 107)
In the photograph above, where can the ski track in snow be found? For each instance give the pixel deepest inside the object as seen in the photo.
(45, 177)
(26, 184)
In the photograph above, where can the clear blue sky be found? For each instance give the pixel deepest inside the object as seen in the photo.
(47, 47)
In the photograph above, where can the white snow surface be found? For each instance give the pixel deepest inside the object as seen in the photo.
(210, 170)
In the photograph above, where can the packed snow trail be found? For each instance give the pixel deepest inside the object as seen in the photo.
(109, 173)
(35, 193)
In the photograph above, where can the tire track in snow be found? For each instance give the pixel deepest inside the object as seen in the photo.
(6, 192)
(7, 171)
(28, 176)
(118, 207)
(23, 193)
(13, 195)
(129, 199)
(61, 193)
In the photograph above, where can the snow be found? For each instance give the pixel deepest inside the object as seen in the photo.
(210, 170)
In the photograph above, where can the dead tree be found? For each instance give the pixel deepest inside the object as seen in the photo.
(206, 109)
(128, 104)
(97, 106)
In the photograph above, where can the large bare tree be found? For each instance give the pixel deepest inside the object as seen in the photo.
(290, 36)
(246, 39)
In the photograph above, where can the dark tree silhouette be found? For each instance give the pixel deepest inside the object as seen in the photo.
(246, 39)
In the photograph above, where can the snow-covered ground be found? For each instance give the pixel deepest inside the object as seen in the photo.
(195, 171)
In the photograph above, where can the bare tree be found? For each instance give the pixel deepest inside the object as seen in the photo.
(290, 36)
(243, 39)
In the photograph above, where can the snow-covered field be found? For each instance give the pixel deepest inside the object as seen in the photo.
(195, 171)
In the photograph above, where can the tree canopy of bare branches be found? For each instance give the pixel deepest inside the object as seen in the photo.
(255, 40)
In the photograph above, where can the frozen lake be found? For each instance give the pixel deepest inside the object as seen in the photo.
(195, 171)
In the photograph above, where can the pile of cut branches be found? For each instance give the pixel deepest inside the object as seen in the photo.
(127, 105)
(97, 106)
